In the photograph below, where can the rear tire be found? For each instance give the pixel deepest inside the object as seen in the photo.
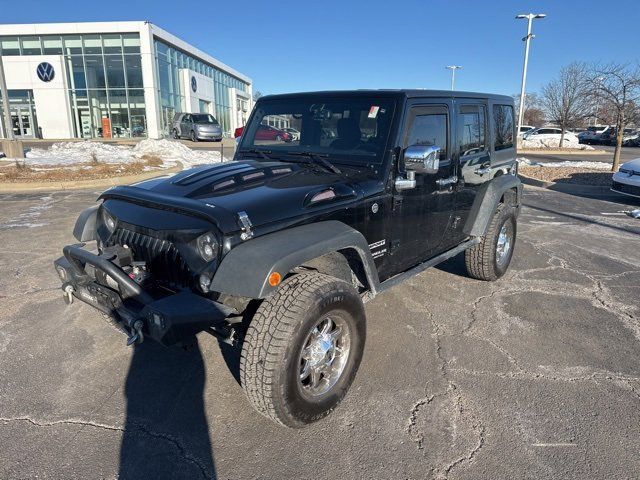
(490, 259)
(290, 370)
(176, 135)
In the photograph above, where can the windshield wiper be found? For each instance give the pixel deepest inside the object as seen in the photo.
(263, 153)
(318, 159)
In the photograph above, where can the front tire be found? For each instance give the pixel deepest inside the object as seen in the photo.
(303, 348)
(193, 136)
(490, 259)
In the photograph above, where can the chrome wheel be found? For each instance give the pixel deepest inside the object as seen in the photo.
(324, 355)
(503, 246)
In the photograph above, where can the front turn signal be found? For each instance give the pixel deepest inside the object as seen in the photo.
(274, 279)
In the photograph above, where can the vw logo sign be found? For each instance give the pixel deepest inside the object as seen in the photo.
(194, 84)
(45, 72)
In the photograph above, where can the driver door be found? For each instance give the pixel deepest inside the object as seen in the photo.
(422, 214)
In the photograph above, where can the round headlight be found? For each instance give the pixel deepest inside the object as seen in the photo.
(108, 220)
(207, 247)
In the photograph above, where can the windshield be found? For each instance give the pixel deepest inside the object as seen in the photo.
(346, 130)
(203, 118)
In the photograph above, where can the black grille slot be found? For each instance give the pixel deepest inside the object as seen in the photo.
(161, 256)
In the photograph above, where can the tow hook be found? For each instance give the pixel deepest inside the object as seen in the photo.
(136, 335)
(68, 294)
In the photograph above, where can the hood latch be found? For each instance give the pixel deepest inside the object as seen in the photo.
(246, 225)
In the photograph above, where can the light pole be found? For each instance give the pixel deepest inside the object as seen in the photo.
(8, 131)
(453, 69)
(530, 17)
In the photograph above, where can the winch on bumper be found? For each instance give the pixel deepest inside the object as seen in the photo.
(167, 319)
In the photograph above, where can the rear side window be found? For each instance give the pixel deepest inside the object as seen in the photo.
(503, 126)
(471, 129)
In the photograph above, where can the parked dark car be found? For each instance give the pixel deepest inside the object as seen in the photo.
(278, 251)
(196, 126)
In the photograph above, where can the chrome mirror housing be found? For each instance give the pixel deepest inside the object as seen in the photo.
(422, 158)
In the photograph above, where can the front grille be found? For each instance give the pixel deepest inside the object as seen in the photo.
(625, 188)
(163, 259)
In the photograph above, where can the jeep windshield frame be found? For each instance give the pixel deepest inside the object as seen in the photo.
(344, 129)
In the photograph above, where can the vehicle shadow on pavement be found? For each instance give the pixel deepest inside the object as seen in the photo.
(166, 433)
(454, 265)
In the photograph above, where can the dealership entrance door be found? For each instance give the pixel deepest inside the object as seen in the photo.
(22, 122)
(23, 114)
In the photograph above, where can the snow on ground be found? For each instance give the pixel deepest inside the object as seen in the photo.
(570, 142)
(565, 164)
(66, 154)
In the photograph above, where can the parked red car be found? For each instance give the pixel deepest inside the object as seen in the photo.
(267, 132)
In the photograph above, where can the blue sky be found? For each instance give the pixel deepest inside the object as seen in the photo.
(330, 44)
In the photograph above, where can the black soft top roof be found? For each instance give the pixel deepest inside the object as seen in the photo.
(401, 93)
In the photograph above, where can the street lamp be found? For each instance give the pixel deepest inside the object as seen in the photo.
(530, 17)
(453, 69)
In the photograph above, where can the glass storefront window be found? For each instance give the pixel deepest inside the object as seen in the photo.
(131, 42)
(31, 46)
(115, 71)
(52, 45)
(92, 44)
(10, 46)
(73, 45)
(76, 68)
(112, 44)
(133, 64)
(95, 71)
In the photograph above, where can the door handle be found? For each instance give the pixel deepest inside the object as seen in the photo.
(446, 182)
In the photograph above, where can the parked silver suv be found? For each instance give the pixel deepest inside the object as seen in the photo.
(196, 126)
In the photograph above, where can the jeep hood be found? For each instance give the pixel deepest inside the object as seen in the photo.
(268, 192)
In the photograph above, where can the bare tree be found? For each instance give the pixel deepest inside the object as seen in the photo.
(566, 98)
(256, 95)
(533, 112)
(617, 85)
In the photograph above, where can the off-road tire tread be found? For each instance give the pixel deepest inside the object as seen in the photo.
(479, 260)
(268, 336)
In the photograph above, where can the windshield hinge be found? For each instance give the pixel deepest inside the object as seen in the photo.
(246, 225)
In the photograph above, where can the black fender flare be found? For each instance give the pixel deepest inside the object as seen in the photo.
(85, 228)
(245, 270)
(487, 200)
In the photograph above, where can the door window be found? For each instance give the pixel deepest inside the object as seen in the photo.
(429, 129)
(471, 129)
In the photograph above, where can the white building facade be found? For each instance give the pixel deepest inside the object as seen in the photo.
(113, 80)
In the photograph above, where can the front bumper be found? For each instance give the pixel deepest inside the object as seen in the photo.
(167, 319)
(624, 184)
(217, 136)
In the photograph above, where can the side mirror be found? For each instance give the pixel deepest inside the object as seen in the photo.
(422, 158)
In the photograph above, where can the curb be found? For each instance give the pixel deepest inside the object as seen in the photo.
(571, 188)
(29, 187)
(530, 151)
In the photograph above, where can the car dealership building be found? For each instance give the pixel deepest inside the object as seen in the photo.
(113, 80)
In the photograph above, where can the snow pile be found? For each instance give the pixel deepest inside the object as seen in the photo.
(569, 142)
(66, 154)
(566, 164)
(171, 152)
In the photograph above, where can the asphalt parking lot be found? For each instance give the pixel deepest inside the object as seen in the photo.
(534, 376)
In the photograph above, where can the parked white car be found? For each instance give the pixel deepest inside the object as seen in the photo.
(549, 137)
(524, 129)
(627, 179)
(593, 134)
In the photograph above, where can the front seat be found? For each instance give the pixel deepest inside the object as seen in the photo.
(348, 134)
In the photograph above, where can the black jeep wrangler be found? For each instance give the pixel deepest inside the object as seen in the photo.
(278, 251)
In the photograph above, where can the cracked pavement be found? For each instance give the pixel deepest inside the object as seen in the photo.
(534, 376)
